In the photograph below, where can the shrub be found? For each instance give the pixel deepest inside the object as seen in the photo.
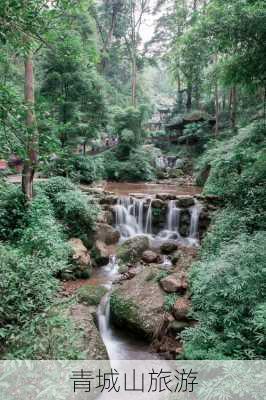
(139, 167)
(27, 286)
(79, 168)
(227, 225)
(228, 301)
(43, 235)
(77, 211)
(112, 166)
(51, 335)
(12, 212)
(56, 185)
(86, 169)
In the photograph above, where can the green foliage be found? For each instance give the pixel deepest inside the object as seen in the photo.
(139, 167)
(49, 336)
(228, 295)
(43, 236)
(169, 301)
(238, 170)
(77, 211)
(54, 185)
(86, 169)
(12, 212)
(27, 286)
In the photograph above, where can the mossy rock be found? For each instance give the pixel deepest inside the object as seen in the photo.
(131, 250)
(124, 313)
(91, 295)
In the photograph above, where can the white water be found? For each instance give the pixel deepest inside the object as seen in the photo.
(131, 218)
(173, 217)
(134, 217)
(195, 212)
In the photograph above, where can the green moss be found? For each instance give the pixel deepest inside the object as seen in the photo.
(91, 295)
(124, 312)
(169, 301)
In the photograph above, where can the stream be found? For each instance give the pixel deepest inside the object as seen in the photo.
(120, 345)
(133, 217)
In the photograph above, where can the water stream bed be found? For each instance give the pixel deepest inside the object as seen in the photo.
(120, 345)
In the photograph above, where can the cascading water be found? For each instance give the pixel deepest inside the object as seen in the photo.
(134, 217)
(173, 216)
(194, 221)
(131, 218)
(148, 225)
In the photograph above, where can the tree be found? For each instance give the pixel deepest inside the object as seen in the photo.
(25, 25)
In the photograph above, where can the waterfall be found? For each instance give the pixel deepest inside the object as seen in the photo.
(148, 226)
(194, 221)
(133, 217)
(173, 216)
(103, 315)
(130, 217)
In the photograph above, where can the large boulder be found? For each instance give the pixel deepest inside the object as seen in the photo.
(185, 201)
(175, 283)
(81, 255)
(132, 249)
(149, 257)
(91, 295)
(101, 253)
(138, 305)
(168, 247)
(181, 308)
(106, 234)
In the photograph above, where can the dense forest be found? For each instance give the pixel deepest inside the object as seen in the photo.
(132, 140)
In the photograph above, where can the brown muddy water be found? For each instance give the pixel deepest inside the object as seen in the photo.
(150, 189)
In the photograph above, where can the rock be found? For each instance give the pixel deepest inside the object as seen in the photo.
(176, 327)
(175, 283)
(157, 203)
(150, 257)
(101, 253)
(81, 255)
(138, 305)
(106, 234)
(109, 199)
(181, 308)
(168, 247)
(184, 222)
(131, 250)
(105, 217)
(185, 201)
(165, 196)
(179, 163)
(176, 257)
(90, 341)
(91, 295)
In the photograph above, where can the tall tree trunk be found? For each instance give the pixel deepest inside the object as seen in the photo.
(134, 81)
(189, 97)
(233, 108)
(30, 162)
(217, 109)
(180, 95)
